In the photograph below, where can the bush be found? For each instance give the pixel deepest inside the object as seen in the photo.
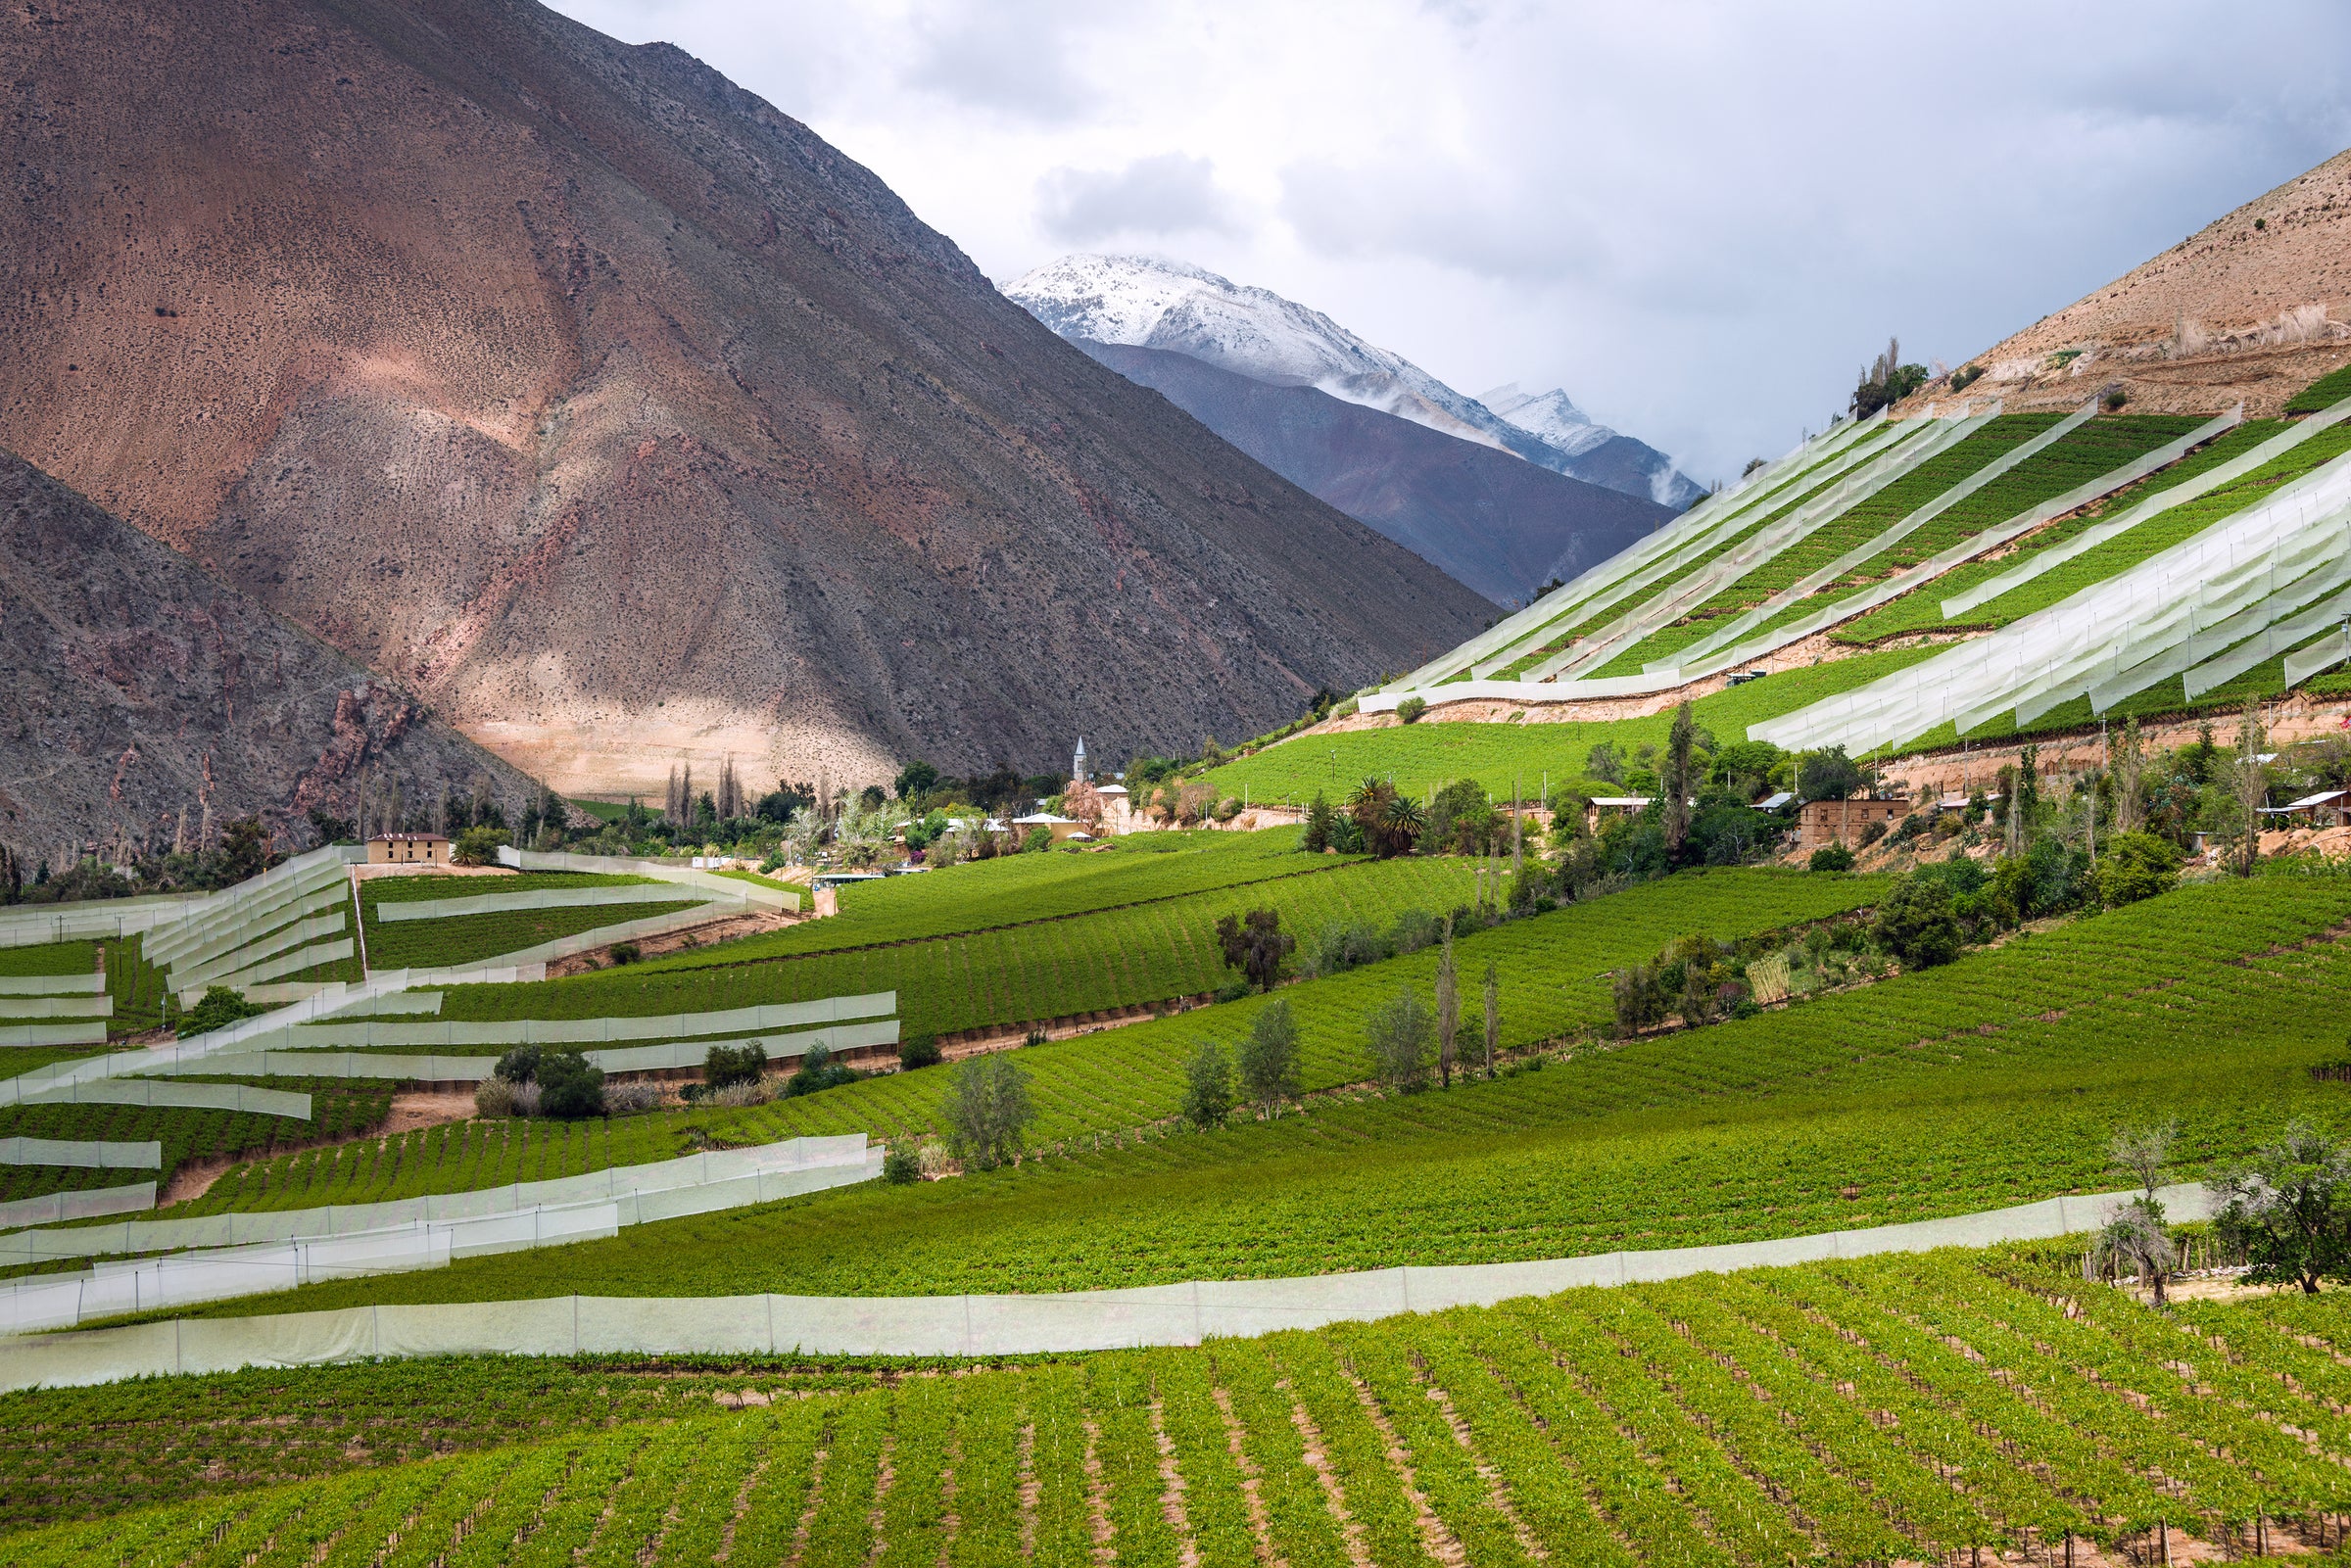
(632, 1099)
(919, 1051)
(730, 1064)
(1039, 841)
(626, 952)
(988, 1109)
(1208, 1088)
(2116, 399)
(494, 1097)
(1342, 946)
(1830, 857)
(1411, 709)
(1256, 945)
(734, 1096)
(1415, 929)
(1871, 833)
(902, 1166)
(1229, 808)
(520, 1065)
(478, 846)
(1917, 923)
(2135, 865)
(1966, 376)
(1231, 991)
(819, 1072)
(570, 1086)
(220, 1008)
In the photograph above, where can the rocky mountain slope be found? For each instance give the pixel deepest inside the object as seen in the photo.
(621, 416)
(1501, 525)
(1154, 302)
(2255, 304)
(140, 698)
(1601, 455)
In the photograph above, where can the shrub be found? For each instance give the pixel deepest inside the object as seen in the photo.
(632, 1099)
(819, 1072)
(1411, 709)
(2135, 865)
(1256, 945)
(1966, 376)
(1039, 841)
(919, 1051)
(2116, 399)
(1830, 857)
(217, 1010)
(570, 1086)
(1231, 991)
(1398, 1038)
(734, 1096)
(902, 1166)
(520, 1065)
(728, 1063)
(494, 1097)
(1917, 923)
(1871, 833)
(988, 1109)
(525, 1097)
(1642, 999)
(1342, 946)
(477, 846)
(626, 952)
(1415, 929)
(1911, 826)
(1229, 808)
(1208, 1088)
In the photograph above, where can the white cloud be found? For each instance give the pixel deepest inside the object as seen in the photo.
(1166, 195)
(1698, 218)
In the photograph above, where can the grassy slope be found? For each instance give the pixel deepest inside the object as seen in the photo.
(1434, 752)
(50, 957)
(1996, 1080)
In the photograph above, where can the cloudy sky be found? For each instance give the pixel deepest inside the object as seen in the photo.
(1700, 220)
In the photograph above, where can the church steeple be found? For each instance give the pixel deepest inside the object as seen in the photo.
(1078, 763)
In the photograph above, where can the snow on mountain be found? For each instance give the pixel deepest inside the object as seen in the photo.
(1154, 302)
(1549, 416)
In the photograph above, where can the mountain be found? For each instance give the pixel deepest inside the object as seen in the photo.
(134, 687)
(2255, 306)
(1501, 525)
(621, 417)
(1153, 302)
(1599, 455)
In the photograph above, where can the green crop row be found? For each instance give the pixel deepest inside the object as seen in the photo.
(1922, 610)
(375, 891)
(340, 1108)
(1017, 974)
(1021, 889)
(1994, 1080)
(50, 957)
(478, 938)
(1902, 1409)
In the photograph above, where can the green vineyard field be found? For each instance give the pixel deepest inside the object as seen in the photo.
(1906, 1408)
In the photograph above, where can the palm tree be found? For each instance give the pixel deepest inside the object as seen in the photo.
(1401, 821)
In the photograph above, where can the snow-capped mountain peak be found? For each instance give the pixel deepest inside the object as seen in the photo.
(1149, 301)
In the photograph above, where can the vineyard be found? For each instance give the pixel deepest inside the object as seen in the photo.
(340, 1108)
(1990, 1081)
(1023, 889)
(1431, 754)
(1011, 975)
(1899, 1409)
(461, 939)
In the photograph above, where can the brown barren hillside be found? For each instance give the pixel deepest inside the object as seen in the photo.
(619, 415)
(2255, 306)
(139, 698)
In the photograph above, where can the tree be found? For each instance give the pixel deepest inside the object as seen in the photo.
(1256, 945)
(1317, 836)
(916, 778)
(1679, 781)
(1828, 775)
(244, 849)
(725, 1065)
(988, 1109)
(2288, 1209)
(1493, 1016)
(2143, 1153)
(1606, 763)
(1401, 822)
(2135, 1239)
(478, 846)
(1208, 1088)
(1083, 802)
(2137, 865)
(1397, 1038)
(1641, 999)
(330, 829)
(1269, 1065)
(1917, 924)
(1449, 1008)
(2249, 782)
(2130, 768)
(1886, 381)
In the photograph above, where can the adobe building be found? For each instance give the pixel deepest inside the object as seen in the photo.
(408, 850)
(1843, 822)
